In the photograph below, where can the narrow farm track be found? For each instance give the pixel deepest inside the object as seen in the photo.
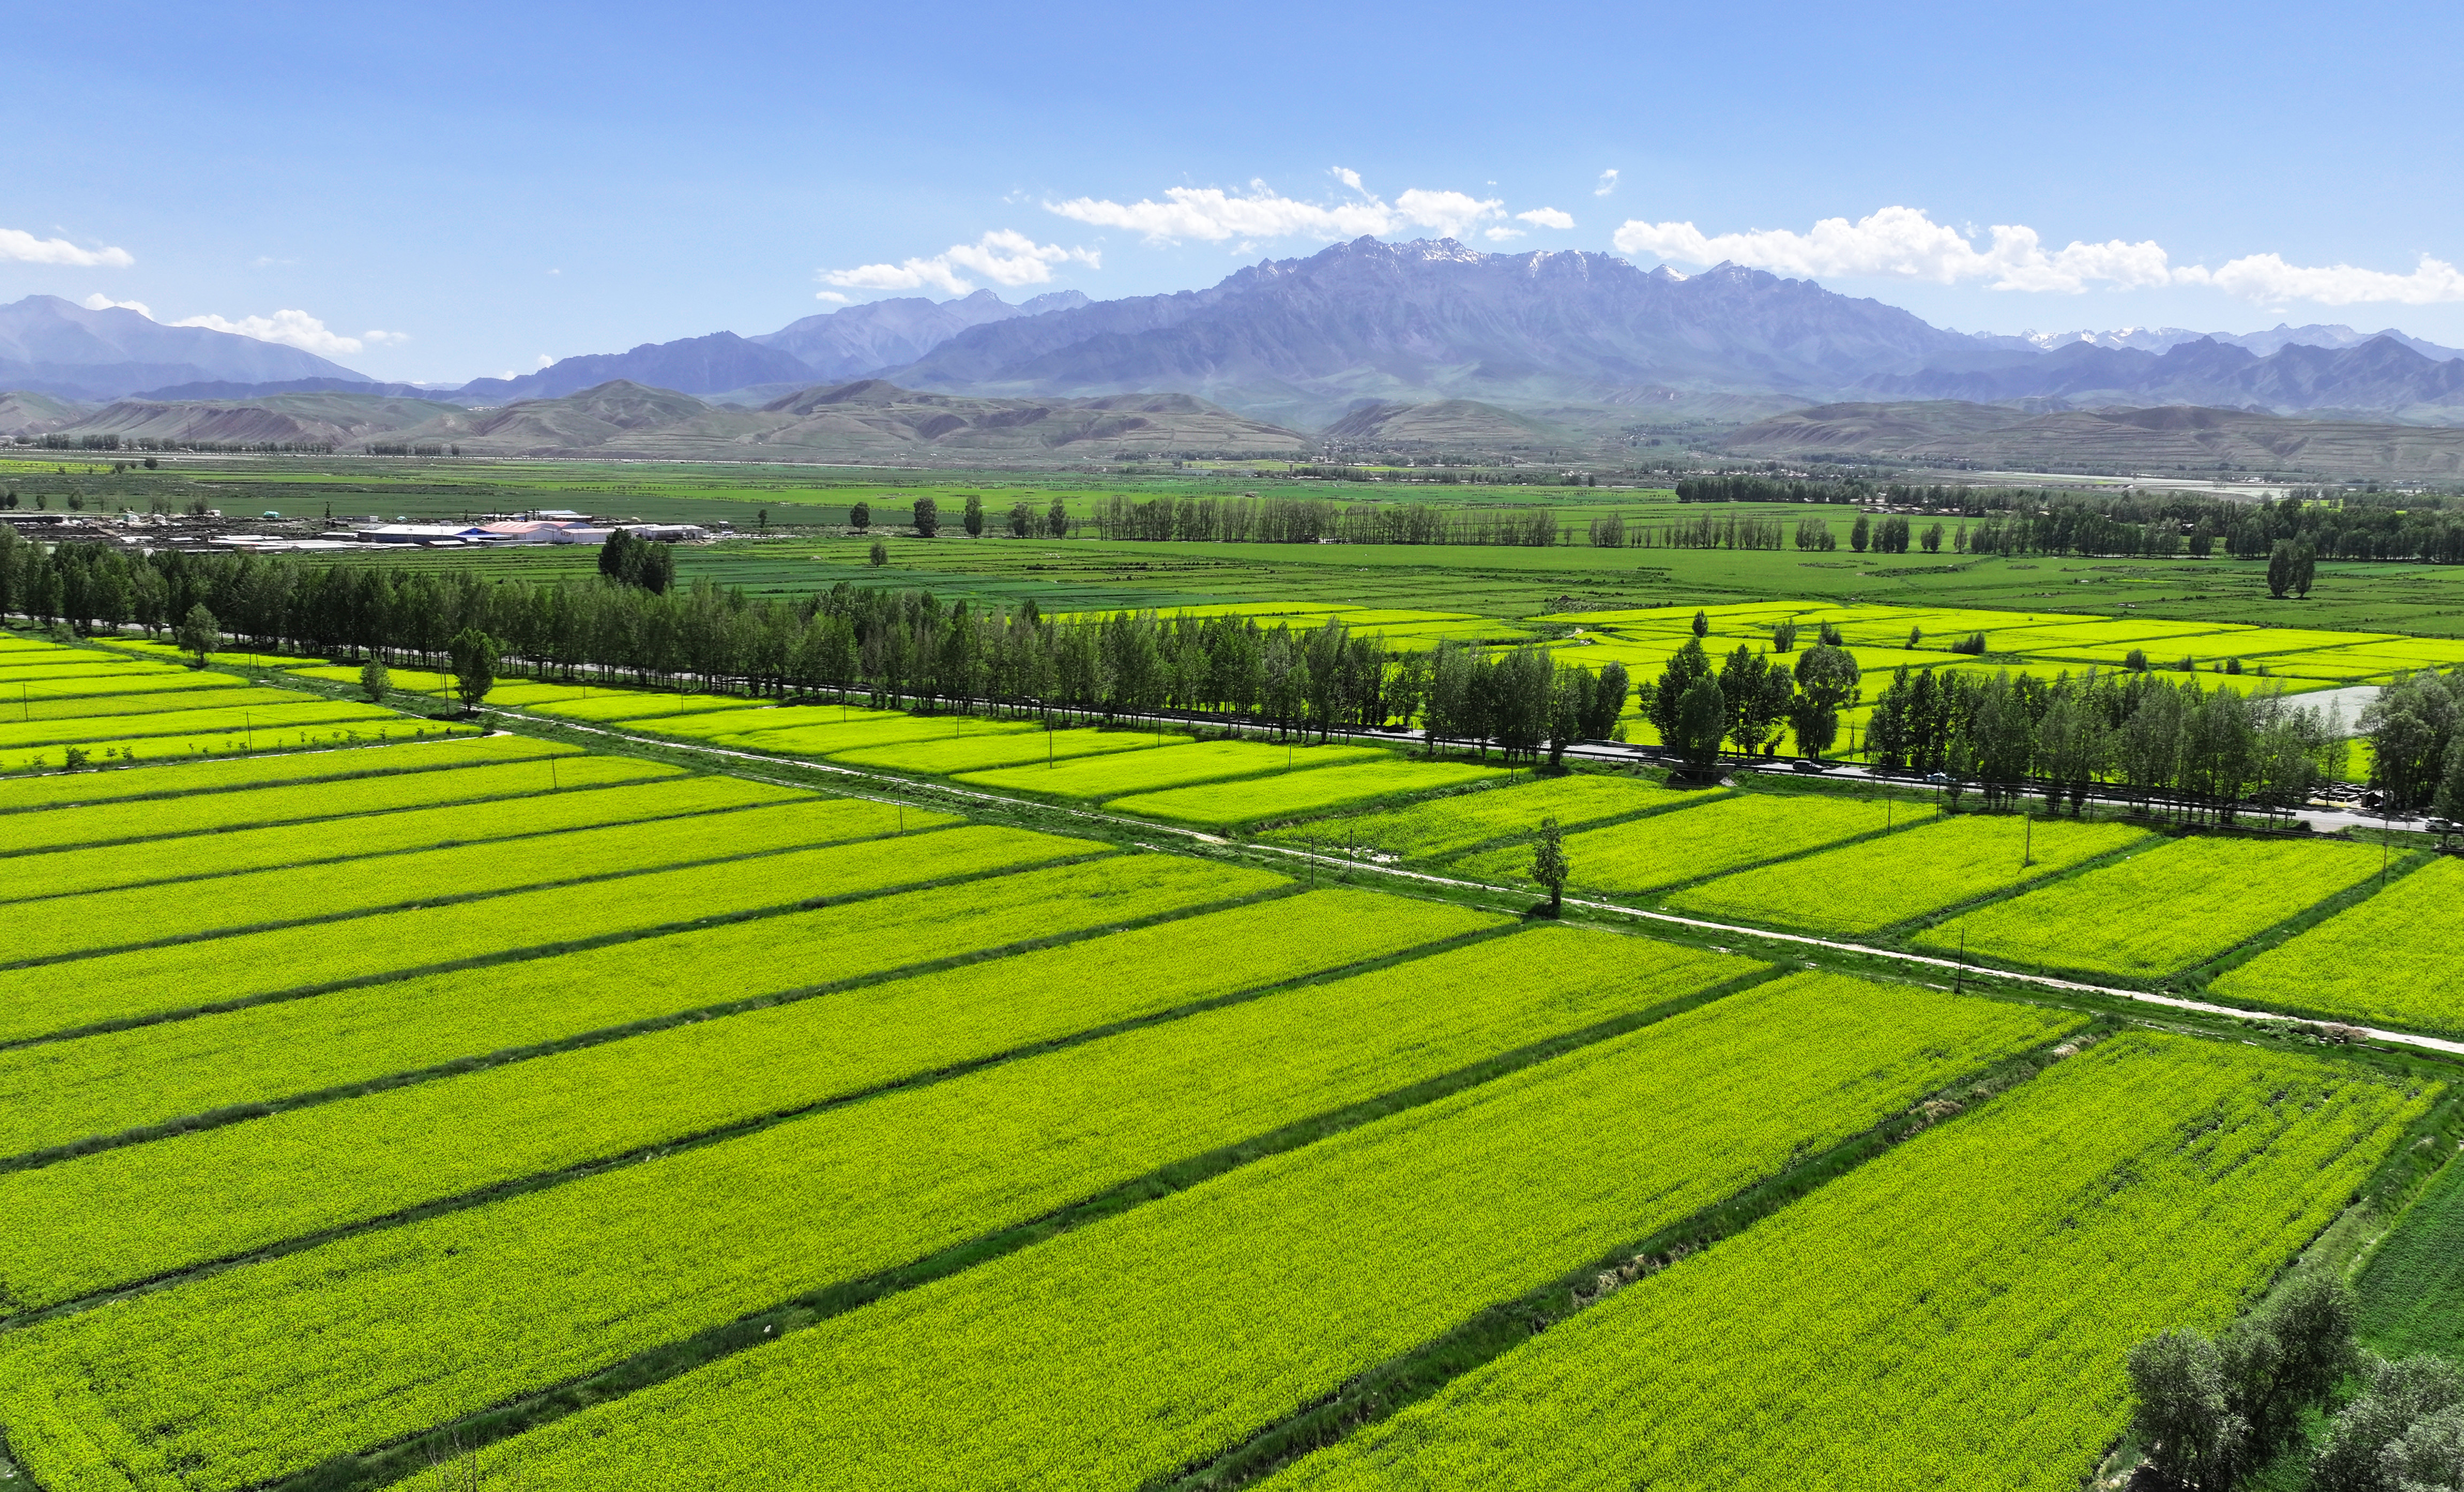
(1952, 966)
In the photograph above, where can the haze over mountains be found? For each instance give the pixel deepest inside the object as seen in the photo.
(1366, 343)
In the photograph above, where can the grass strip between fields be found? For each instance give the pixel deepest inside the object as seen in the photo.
(1287, 795)
(204, 974)
(856, 1189)
(1131, 1348)
(111, 750)
(194, 718)
(1464, 821)
(1178, 763)
(1838, 1343)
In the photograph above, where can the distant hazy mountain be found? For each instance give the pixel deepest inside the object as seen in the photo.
(2380, 375)
(696, 364)
(859, 339)
(1300, 340)
(59, 347)
(2164, 339)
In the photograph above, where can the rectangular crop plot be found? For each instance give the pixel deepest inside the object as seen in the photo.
(1876, 883)
(830, 739)
(112, 750)
(1177, 765)
(1122, 1351)
(196, 718)
(2377, 961)
(169, 684)
(686, 721)
(1290, 794)
(629, 799)
(1668, 849)
(58, 1092)
(772, 818)
(2165, 909)
(199, 974)
(2412, 1288)
(257, 810)
(1952, 1314)
(607, 706)
(942, 756)
(121, 707)
(704, 1235)
(69, 789)
(1466, 820)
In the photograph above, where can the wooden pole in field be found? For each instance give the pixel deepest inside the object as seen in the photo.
(2028, 845)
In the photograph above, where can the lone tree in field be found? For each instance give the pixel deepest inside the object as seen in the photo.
(860, 517)
(198, 632)
(880, 552)
(928, 517)
(474, 665)
(1549, 865)
(375, 680)
(974, 516)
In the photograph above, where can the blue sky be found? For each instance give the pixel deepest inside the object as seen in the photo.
(462, 189)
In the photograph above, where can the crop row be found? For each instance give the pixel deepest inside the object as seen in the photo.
(2161, 910)
(829, 738)
(1451, 825)
(521, 807)
(775, 818)
(370, 1337)
(688, 721)
(1955, 1314)
(618, 706)
(367, 763)
(1138, 1344)
(2385, 959)
(1665, 849)
(259, 812)
(236, 741)
(334, 1164)
(181, 976)
(1876, 884)
(1176, 763)
(946, 756)
(1286, 795)
(59, 1092)
(119, 708)
(123, 684)
(191, 720)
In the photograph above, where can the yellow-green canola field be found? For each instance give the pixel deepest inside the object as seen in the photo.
(855, 1098)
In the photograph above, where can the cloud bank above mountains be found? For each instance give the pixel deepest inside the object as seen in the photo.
(1905, 243)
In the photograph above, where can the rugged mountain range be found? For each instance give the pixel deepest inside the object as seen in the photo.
(1301, 340)
(56, 346)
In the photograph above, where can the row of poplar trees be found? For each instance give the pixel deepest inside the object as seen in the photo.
(888, 647)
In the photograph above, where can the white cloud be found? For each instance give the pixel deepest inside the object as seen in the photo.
(1608, 183)
(380, 339)
(1213, 214)
(292, 328)
(830, 296)
(1904, 243)
(2266, 277)
(1548, 217)
(98, 302)
(26, 249)
(544, 360)
(1006, 257)
(1503, 235)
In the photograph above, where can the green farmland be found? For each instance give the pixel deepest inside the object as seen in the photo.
(655, 1079)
